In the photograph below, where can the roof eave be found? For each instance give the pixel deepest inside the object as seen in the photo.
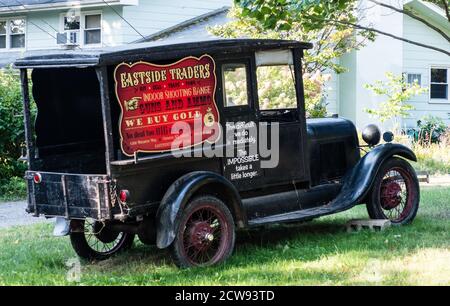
(62, 5)
(431, 11)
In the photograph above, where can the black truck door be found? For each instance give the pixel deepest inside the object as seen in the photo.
(280, 103)
(236, 83)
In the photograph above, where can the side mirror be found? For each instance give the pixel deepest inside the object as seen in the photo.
(388, 136)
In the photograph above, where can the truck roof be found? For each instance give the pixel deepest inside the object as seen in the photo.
(151, 51)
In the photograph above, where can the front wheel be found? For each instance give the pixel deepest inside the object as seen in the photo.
(206, 233)
(99, 242)
(395, 193)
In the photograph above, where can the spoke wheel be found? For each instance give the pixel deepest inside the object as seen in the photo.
(100, 238)
(206, 234)
(395, 198)
(99, 241)
(395, 194)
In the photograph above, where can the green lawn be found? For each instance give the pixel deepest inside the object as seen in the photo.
(315, 253)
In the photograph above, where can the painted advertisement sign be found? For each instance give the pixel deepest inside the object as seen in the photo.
(153, 98)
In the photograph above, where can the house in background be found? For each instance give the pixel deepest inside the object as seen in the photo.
(85, 24)
(36, 25)
(429, 67)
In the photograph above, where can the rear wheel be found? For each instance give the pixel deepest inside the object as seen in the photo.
(206, 233)
(98, 241)
(395, 194)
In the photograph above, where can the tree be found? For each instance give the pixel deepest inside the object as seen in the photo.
(397, 92)
(330, 42)
(281, 15)
(11, 126)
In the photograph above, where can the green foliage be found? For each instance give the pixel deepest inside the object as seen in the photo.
(330, 43)
(11, 127)
(397, 93)
(429, 130)
(13, 189)
(314, 14)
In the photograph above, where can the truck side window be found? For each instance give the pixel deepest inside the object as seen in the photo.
(276, 87)
(235, 85)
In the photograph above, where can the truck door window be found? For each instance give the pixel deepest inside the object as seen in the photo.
(277, 95)
(276, 87)
(235, 85)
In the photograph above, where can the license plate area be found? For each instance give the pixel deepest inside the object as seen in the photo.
(69, 195)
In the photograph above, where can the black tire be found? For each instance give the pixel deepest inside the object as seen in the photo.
(81, 244)
(206, 233)
(395, 194)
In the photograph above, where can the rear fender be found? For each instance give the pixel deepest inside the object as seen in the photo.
(181, 191)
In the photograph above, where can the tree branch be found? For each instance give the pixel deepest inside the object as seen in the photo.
(357, 26)
(412, 15)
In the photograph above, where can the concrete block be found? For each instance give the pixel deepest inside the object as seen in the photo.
(359, 224)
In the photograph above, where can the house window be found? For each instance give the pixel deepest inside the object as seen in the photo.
(12, 33)
(2, 34)
(439, 83)
(17, 33)
(71, 23)
(84, 29)
(414, 78)
(93, 29)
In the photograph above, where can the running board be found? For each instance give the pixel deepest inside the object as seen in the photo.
(304, 214)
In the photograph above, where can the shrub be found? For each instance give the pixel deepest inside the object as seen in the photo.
(11, 129)
(13, 189)
(429, 130)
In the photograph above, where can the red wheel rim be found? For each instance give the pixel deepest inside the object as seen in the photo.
(205, 235)
(397, 194)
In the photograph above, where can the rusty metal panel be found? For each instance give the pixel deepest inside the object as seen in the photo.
(70, 195)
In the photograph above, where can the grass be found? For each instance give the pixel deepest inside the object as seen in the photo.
(315, 253)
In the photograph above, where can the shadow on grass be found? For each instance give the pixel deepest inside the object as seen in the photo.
(255, 243)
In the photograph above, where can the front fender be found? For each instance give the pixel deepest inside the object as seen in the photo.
(178, 195)
(358, 182)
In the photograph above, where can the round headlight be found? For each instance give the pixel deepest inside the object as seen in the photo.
(371, 135)
(388, 136)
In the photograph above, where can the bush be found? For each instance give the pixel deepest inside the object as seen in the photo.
(13, 189)
(429, 130)
(11, 131)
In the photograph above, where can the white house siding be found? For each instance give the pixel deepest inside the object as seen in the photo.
(371, 63)
(419, 60)
(331, 89)
(42, 26)
(40, 34)
(164, 14)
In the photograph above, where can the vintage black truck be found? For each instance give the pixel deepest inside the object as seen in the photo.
(131, 140)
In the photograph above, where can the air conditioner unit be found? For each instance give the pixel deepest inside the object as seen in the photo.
(68, 38)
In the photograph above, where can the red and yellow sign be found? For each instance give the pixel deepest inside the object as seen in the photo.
(153, 98)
